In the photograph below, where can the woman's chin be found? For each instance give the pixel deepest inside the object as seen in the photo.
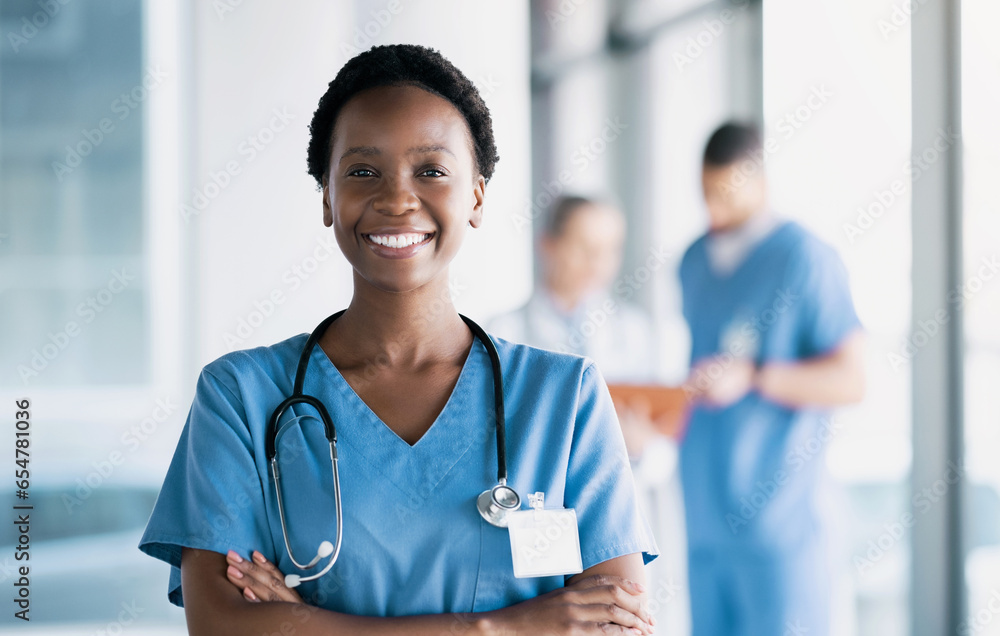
(396, 284)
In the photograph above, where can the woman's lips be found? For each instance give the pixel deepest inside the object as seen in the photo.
(402, 245)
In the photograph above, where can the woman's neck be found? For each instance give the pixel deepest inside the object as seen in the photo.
(397, 329)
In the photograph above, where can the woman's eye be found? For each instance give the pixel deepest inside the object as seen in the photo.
(361, 172)
(432, 172)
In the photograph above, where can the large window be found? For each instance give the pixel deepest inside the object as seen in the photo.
(72, 272)
(837, 106)
(82, 258)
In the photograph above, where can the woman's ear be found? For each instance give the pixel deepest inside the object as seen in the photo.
(327, 204)
(479, 198)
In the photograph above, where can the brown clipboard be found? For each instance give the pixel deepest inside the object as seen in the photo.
(668, 405)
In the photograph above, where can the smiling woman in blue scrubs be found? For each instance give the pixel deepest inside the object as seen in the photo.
(402, 147)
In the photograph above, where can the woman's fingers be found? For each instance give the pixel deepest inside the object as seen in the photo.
(259, 579)
(242, 583)
(613, 599)
(618, 629)
(611, 615)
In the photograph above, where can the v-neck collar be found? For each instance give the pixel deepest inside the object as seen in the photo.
(462, 422)
(754, 252)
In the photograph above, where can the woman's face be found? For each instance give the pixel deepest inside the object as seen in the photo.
(403, 186)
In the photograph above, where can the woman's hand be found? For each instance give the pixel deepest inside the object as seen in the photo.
(598, 604)
(259, 579)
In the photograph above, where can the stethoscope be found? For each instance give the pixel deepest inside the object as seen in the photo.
(494, 504)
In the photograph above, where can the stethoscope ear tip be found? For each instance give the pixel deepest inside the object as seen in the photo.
(325, 549)
(293, 580)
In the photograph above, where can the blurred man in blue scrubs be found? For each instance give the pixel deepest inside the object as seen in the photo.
(775, 343)
(573, 310)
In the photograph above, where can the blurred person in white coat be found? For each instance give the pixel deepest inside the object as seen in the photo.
(574, 309)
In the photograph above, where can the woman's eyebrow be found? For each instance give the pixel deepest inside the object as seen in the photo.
(367, 151)
(420, 150)
(372, 151)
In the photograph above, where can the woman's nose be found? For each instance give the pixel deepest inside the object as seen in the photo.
(396, 196)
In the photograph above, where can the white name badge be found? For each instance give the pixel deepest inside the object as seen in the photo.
(544, 542)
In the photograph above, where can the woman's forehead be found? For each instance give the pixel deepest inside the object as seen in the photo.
(400, 117)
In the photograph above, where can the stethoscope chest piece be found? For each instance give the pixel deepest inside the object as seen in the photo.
(497, 503)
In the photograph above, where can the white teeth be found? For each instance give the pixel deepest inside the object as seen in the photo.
(397, 240)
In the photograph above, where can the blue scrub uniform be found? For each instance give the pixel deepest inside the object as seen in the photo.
(751, 472)
(413, 540)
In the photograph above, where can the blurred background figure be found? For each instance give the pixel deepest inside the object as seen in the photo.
(775, 341)
(574, 309)
(571, 309)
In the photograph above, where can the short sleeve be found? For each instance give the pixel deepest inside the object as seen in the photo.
(828, 314)
(212, 496)
(599, 483)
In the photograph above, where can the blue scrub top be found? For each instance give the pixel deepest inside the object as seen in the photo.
(751, 471)
(413, 540)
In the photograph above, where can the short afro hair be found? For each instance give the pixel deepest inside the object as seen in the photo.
(401, 64)
(732, 142)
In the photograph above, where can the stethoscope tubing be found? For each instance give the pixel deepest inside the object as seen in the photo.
(498, 409)
(298, 397)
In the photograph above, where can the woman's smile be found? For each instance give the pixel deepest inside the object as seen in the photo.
(397, 245)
